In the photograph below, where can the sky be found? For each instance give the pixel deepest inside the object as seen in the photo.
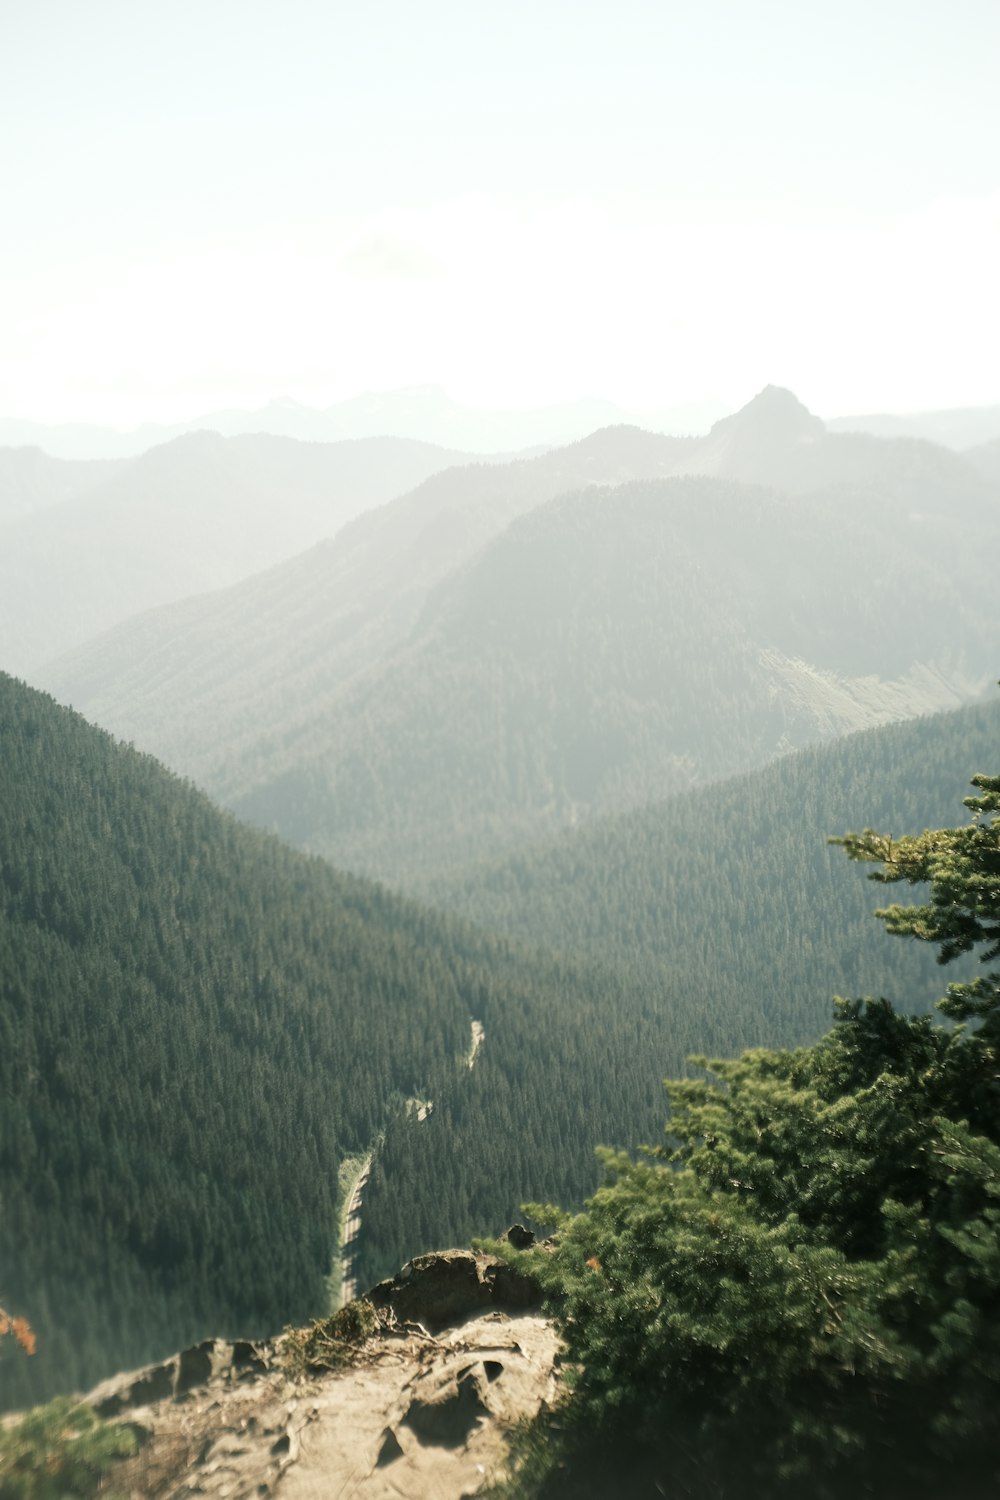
(216, 204)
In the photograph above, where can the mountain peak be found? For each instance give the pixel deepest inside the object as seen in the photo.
(776, 414)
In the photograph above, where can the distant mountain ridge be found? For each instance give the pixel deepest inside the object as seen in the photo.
(508, 649)
(424, 413)
(612, 646)
(250, 663)
(428, 414)
(959, 427)
(196, 513)
(777, 441)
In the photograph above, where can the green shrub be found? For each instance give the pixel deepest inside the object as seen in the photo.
(62, 1449)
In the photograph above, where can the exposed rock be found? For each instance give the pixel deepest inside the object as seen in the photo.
(174, 1378)
(519, 1237)
(436, 1290)
(413, 1415)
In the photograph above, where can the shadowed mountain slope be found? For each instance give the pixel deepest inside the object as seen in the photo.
(986, 458)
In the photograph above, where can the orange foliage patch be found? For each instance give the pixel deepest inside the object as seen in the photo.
(18, 1328)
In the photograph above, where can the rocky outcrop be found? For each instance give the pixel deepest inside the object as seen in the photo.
(421, 1409)
(174, 1378)
(218, 1419)
(428, 1418)
(435, 1290)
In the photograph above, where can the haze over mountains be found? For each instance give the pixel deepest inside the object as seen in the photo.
(427, 414)
(31, 480)
(424, 413)
(957, 427)
(196, 513)
(508, 650)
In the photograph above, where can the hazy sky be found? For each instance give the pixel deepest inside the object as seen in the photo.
(216, 203)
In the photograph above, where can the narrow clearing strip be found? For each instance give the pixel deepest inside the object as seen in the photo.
(344, 1289)
(350, 1228)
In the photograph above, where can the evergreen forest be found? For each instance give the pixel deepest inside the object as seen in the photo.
(198, 1024)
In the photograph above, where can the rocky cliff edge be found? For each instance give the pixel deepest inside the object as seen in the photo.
(414, 1404)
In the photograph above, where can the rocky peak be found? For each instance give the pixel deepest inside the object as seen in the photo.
(775, 415)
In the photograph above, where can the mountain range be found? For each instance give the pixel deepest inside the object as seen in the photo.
(425, 413)
(507, 650)
(428, 414)
(589, 707)
(196, 513)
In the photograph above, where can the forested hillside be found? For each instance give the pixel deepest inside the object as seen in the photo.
(195, 1025)
(713, 922)
(734, 886)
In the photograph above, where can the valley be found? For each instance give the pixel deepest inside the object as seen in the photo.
(499, 752)
(560, 740)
